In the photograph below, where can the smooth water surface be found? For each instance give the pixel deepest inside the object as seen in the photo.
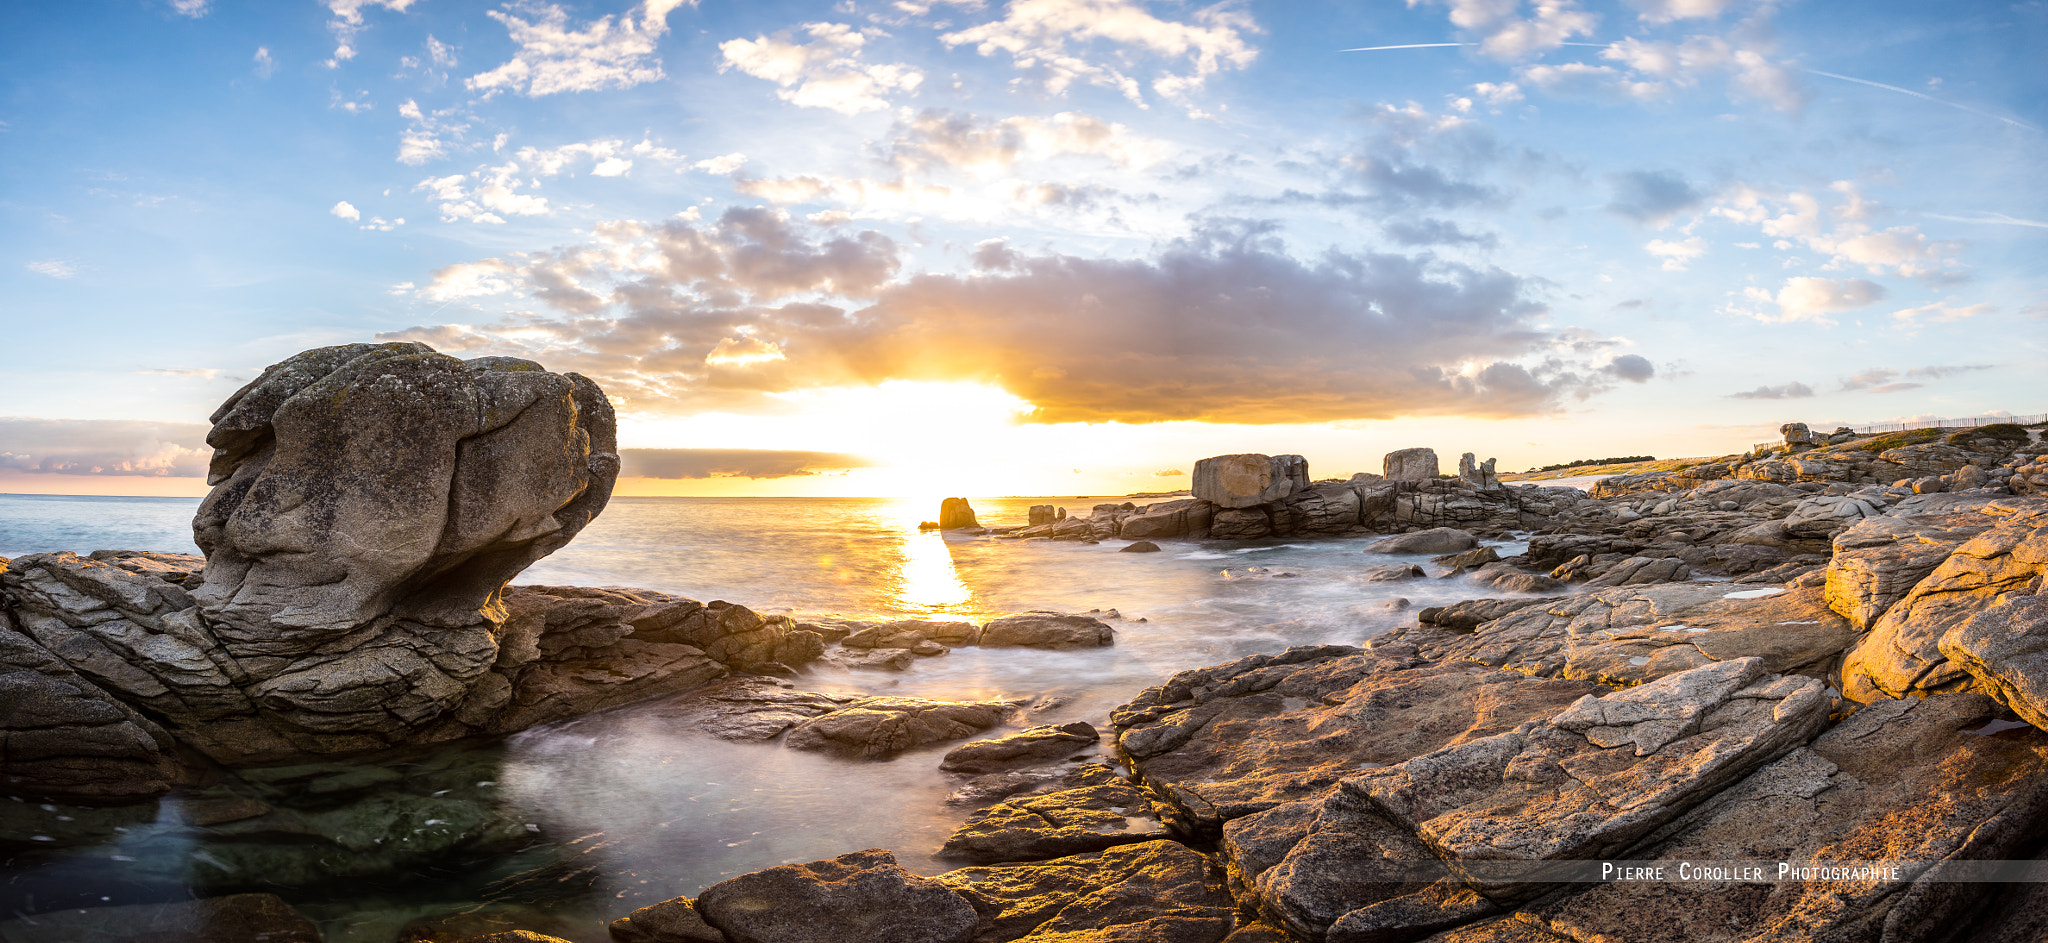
(591, 818)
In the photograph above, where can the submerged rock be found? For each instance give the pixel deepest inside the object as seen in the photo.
(881, 727)
(1049, 630)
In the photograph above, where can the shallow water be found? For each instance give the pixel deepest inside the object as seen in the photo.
(588, 819)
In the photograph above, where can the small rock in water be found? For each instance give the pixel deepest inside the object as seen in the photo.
(1142, 546)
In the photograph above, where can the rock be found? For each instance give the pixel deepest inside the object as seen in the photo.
(1555, 549)
(1901, 781)
(1501, 576)
(1468, 560)
(1796, 434)
(1142, 546)
(1390, 573)
(2005, 647)
(1877, 561)
(1824, 516)
(1479, 474)
(671, 921)
(1154, 892)
(1643, 571)
(907, 633)
(1032, 746)
(956, 514)
(1636, 634)
(513, 936)
(490, 922)
(1040, 514)
(1598, 776)
(1472, 613)
(1226, 741)
(1186, 518)
(1970, 476)
(1241, 524)
(750, 710)
(1410, 465)
(236, 918)
(875, 728)
(1339, 862)
(1434, 541)
(1248, 480)
(1048, 630)
(861, 897)
(874, 659)
(1106, 811)
(1901, 654)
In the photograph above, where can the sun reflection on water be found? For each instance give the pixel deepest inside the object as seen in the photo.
(925, 580)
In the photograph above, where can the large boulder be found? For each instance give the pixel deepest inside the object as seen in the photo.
(956, 514)
(1187, 517)
(1410, 464)
(1050, 630)
(861, 897)
(1242, 481)
(1436, 540)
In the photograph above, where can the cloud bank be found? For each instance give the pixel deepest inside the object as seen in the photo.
(104, 447)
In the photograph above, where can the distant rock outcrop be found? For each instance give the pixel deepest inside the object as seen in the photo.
(1242, 481)
(1410, 465)
(956, 514)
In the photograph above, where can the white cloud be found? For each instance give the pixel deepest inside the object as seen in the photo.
(348, 23)
(1581, 79)
(944, 139)
(471, 280)
(103, 447)
(1677, 255)
(192, 8)
(441, 53)
(1043, 35)
(422, 141)
(1807, 298)
(1504, 33)
(55, 268)
(1498, 94)
(826, 73)
(481, 195)
(1941, 312)
(722, 164)
(1664, 11)
(1750, 66)
(346, 211)
(266, 64)
(1842, 231)
(609, 52)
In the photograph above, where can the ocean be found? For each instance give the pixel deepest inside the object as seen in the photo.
(622, 809)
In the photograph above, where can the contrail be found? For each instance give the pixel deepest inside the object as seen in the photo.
(1938, 101)
(1988, 217)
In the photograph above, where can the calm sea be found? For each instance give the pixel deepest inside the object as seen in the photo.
(648, 810)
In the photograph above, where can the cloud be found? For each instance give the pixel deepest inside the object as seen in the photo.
(1841, 229)
(1944, 372)
(266, 64)
(421, 140)
(1412, 160)
(1807, 298)
(1793, 390)
(481, 195)
(1650, 197)
(1747, 60)
(192, 8)
(1941, 312)
(721, 165)
(104, 447)
(1677, 255)
(1224, 325)
(348, 23)
(1435, 232)
(1169, 473)
(732, 463)
(1631, 367)
(1061, 40)
(609, 52)
(1877, 380)
(55, 268)
(204, 373)
(346, 211)
(826, 73)
(1503, 33)
(607, 157)
(1664, 11)
(941, 139)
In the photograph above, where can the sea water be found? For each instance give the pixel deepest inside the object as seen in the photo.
(629, 807)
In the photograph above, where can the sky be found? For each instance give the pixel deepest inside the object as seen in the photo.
(927, 247)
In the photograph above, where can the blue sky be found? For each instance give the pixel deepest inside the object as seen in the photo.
(1044, 246)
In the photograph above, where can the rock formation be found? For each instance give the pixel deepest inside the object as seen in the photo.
(1242, 481)
(1416, 464)
(956, 514)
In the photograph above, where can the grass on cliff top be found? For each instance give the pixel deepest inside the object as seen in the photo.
(1621, 468)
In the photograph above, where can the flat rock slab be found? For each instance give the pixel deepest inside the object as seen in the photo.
(1632, 635)
(1901, 781)
(1106, 811)
(1436, 540)
(875, 728)
(1034, 746)
(1879, 560)
(751, 710)
(2005, 648)
(1902, 653)
(1600, 775)
(861, 897)
(1229, 740)
(1155, 892)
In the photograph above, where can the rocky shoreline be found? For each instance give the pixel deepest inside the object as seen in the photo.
(1829, 655)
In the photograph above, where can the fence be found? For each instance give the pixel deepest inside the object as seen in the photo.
(1969, 423)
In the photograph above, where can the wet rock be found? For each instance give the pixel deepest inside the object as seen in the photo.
(1901, 654)
(1105, 811)
(236, 918)
(1241, 524)
(993, 787)
(1636, 634)
(1142, 546)
(1154, 892)
(1049, 630)
(1391, 573)
(1249, 480)
(1222, 742)
(491, 922)
(1185, 518)
(1554, 549)
(671, 921)
(1436, 540)
(1506, 578)
(907, 633)
(1598, 776)
(1468, 560)
(750, 710)
(873, 659)
(874, 728)
(1906, 781)
(1033, 746)
(861, 897)
(513, 936)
